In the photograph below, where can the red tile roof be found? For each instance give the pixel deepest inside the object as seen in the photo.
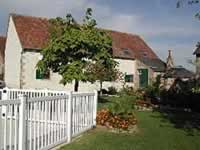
(127, 45)
(32, 31)
(2, 47)
(33, 34)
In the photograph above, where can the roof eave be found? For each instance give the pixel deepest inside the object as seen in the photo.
(32, 49)
(118, 57)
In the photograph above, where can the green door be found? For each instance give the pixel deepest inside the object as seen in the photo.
(143, 77)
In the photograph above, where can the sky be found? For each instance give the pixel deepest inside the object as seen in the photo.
(158, 22)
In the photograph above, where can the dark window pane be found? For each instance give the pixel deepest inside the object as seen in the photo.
(42, 75)
(144, 54)
(129, 78)
(38, 74)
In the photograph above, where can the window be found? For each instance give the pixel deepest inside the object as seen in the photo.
(129, 78)
(42, 75)
(126, 51)
(144, 54)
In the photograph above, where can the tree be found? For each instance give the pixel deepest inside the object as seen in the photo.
(104, 69)
(197, 15)
(72, 47)
(189, 2)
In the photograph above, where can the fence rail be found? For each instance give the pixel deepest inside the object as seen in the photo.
(32, 120)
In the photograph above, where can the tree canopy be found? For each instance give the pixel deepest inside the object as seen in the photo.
(189, 2)
(104, 69)
(73, 47)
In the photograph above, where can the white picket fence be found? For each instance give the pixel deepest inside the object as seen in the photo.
(43, 119)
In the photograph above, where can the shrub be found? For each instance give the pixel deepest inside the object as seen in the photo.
(122, 105)
(152, 91)
(183, 94)
(112, 90)
(196, 90)
(127, 91)
(130, 91)
(104, 91)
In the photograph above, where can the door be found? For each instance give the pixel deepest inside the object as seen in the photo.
(143, 78)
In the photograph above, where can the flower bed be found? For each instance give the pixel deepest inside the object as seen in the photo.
(111, 121)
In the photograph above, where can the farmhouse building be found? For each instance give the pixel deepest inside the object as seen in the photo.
(26, 36)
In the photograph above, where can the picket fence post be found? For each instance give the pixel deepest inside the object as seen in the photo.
(95, 107)
(22, 122)
(46, 92)
(69, 117)
(4, 113)
(5, 94)
(4, 97)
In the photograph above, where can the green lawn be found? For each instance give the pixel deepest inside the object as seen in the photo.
(155, 133)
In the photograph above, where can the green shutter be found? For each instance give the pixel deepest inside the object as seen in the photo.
(42, 75)
(129, 78)
(39, 74)
(143, 77)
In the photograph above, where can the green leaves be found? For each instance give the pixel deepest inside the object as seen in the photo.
(88, 21)
(122, 105)
(73, 48)
(73, 71)
(189, 2)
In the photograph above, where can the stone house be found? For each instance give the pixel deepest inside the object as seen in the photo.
(173, 72)
(26, 36)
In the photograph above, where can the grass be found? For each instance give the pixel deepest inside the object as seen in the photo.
(155, 133)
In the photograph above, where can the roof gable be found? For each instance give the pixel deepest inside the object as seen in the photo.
(33, 34)
(155, 64)
(32, 31)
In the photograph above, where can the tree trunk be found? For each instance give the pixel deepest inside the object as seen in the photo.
(76, 85)
(101, 92)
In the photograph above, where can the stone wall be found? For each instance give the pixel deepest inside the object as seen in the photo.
(30, 59)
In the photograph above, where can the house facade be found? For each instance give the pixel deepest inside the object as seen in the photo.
(26, 36)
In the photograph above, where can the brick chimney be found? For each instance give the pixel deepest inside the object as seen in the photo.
(170, 61)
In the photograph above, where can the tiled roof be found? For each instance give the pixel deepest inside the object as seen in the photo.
(130, 46)
(2, 46)
(32, 31)
(33, 34)
(179, 72)
(155, 64)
